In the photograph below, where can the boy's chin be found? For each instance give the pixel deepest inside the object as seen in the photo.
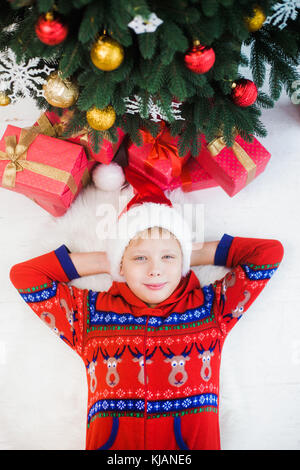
(157, 297)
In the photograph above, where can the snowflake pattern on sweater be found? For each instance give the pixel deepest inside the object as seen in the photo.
(152, 373)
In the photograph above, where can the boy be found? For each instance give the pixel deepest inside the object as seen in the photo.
(152, 343)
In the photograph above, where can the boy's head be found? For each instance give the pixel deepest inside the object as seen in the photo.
(152, 265)
(165, 249)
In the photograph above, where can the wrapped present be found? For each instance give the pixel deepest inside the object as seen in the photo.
(48, 170)
(233, 167)
(158, 156)
(192, 178)
(51, 122)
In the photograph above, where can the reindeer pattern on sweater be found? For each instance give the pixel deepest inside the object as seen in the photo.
(152, 373)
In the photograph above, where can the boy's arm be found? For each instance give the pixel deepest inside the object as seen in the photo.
(90, 263)
(42, 283)
(203, 253)
(253, 262)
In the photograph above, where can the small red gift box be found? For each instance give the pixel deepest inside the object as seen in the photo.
(233, 167)
(158, 156)
(48, 170)
(58, 123)
(193, 177)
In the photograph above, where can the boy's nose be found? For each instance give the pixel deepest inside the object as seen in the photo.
(154, 269)
(154, 272)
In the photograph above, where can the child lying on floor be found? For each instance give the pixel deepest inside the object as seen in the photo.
(152, 343)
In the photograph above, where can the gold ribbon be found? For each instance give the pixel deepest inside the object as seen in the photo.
(53, 130)
(217, 145)
(16, 154)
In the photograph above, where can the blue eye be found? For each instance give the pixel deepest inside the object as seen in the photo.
(138, 258)
(168, 256)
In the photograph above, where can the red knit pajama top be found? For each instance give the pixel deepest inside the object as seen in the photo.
(152, 373)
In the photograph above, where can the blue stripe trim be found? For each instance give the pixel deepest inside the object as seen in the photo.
(153, 406)
(222, 250)
(40, 295)
(105, 318)
(178, 436)
(113, 435)
(258, 274)
(67, 264)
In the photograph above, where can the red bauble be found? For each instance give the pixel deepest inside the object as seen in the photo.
(200, 58)
(51, 30)
(244, 92)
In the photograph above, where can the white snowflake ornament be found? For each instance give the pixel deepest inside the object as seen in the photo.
(283, 11)
(22, 78)
(156, 113)
(142, 25)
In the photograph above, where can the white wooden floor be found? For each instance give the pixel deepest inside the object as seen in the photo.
(42, 382)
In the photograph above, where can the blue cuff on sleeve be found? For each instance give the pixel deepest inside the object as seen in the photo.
(222, 250)
(62, 254)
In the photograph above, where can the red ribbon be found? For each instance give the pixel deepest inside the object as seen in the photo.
(186, 180)
(163, 148)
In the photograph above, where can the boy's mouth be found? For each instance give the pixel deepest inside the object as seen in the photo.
(156, 286)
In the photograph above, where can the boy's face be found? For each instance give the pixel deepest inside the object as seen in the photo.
(150, 261)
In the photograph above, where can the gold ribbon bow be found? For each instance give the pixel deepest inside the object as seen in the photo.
(16, 154)
(217, 145)
(163, 148)
(53, 130)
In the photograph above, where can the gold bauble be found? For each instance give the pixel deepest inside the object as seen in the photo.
(60, 92)
(107, 54)
(101, 119)
(255, 22)
(4, 99)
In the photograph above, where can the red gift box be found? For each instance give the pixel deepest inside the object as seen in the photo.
(158, 156)
(58, 123)
(48, 170)
(233, 167)
(193, 177)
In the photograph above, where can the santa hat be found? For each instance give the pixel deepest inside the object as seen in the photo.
(148, 208)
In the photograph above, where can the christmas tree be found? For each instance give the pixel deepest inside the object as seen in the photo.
(133, 63)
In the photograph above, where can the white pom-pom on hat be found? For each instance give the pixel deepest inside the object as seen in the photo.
(108, 177)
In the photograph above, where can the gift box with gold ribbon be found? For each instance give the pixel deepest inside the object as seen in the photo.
(52, 124)
(192, 178)
(233, 167)
(158, 156)
(48, 170)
